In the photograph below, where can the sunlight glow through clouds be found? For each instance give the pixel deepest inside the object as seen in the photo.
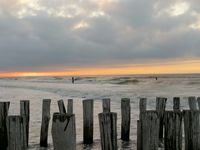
(68, 10)
(35, 7)
(179, 8)
(81, 24)
(61, 8)
(24, 12)
(174, 10)
(195, 25)
(97, 14)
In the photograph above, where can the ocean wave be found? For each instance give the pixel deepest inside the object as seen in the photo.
(132, 81)
(193, 83)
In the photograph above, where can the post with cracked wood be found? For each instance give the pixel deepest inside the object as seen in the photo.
(108, 130)
(45, 122)
(64, 131)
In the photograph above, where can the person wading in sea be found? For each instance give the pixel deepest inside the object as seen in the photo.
(73, 80)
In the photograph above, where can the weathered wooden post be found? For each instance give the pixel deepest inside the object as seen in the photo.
(149, 130)
(45, 122)
(192, 103)
(176, 104)
(61, 106)
(142, 105)
(70, 106)
(25, 114)
(108, 130)
(139, 142)
(88, 121)
(198, 100)
(16, 133)
(192, 129)
(173, 130)
(4, 107)
(106, 105)
(142, 108)
(64, 131)
(160, 108)
(126, 119)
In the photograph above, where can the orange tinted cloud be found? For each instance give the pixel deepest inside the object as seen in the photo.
(191, 66)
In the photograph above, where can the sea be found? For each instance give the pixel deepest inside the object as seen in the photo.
(116, 87)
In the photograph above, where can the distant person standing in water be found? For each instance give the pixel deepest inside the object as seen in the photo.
(73, 80)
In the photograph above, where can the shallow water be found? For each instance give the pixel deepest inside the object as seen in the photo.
(38, 88)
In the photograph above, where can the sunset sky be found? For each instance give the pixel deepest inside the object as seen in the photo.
(99, 37)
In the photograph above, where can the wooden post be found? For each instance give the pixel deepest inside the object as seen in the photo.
(64, 131)
(70, 106)
(139, 135)
(126, 119)
(4, 107)
(176, 104)
(45, 122)
(160, 108)
(106, 105)
(173, 130)
(15, 133)
(88, 121)
(192, 128)
(142, 105)
(25, 114)
(61, 106)
(108, 130)
(192, 103)
(149, 130)
(142, 108)
(198, 100)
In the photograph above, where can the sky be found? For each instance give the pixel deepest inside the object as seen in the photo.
(97, 37)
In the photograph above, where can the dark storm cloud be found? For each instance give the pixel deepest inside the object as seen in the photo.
(91, 33)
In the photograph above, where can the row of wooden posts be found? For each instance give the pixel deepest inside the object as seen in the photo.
(163, 128)
(14, 130)
(154, 127)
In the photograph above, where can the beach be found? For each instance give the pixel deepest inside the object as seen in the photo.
(134, 87)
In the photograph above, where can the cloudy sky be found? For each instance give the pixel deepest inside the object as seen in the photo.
(99, 36)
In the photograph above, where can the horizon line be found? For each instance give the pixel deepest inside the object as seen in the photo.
(44, 74)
